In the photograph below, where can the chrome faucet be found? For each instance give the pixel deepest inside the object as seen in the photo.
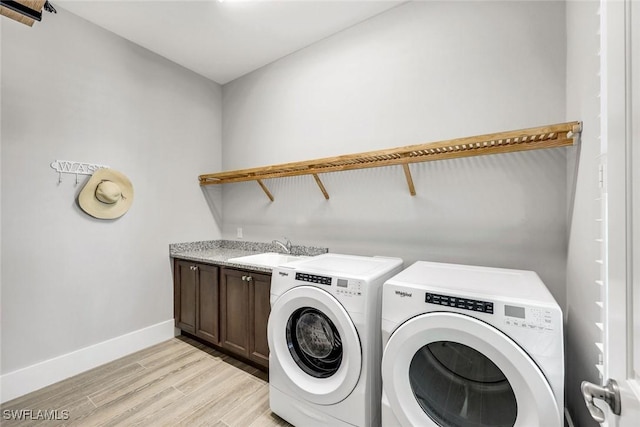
(285, 246)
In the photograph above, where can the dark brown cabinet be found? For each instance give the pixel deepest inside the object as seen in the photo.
(226, 307)
(244, 312)
(259, 310)
(196, 299)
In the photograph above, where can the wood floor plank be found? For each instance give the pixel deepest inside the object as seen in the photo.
(60, 395)
(98, 374)
(151, 378)
(140, 412)
(218, 424)
(78, 408)
(251, 408)
(226, 399)
(178, 381)
(63, 416)
(82, 406)
(197, 377)
(129, 403)
(205, 395)
(161, 357)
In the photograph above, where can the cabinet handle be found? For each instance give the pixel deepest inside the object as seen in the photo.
(249, 278)
(193, 267)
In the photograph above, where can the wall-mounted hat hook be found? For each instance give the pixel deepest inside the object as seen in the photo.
(76, 168)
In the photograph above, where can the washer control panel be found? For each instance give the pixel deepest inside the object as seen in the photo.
(463, 303)
(348, 287)
(343, 287)
(314, 278)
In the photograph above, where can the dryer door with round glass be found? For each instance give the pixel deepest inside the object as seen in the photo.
(452, 370)
(315, 341)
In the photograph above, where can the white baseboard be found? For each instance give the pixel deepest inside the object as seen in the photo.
(17, 383)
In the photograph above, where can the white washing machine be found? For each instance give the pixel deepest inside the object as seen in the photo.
(471, 346)
(324, 339)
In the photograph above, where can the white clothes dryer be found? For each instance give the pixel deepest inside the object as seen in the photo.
(471, 346)
(324, 339)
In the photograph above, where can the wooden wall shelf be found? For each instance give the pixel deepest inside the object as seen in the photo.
(32, 8)
(558, 135)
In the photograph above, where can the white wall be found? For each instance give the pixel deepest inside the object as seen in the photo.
(583, 90)
(73, 91)
(424, 71)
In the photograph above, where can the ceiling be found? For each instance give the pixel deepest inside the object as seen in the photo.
(223, 40)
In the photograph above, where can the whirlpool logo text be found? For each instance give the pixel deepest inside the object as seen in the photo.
(403, 294)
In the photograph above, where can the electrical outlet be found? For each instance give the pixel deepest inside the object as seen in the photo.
(239, 233)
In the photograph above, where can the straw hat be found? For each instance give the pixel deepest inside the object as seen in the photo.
(107, 195)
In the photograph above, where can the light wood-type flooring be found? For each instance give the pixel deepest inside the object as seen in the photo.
(180, 382)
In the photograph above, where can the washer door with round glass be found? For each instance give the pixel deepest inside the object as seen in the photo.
(452, 370)
(313, 338)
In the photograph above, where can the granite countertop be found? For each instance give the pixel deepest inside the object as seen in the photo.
(220, 251)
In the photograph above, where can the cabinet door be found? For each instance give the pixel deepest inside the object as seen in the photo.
(259, 309)
(207, 308)
(184, 305)
(234, 311)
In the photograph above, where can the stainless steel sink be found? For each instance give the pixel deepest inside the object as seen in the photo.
(267, 259)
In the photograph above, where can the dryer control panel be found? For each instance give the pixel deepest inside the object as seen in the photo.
(521, 317)
(539, 319)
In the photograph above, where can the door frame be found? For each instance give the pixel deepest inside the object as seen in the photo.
(619, 124)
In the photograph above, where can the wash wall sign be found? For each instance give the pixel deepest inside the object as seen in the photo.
(76, 168)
